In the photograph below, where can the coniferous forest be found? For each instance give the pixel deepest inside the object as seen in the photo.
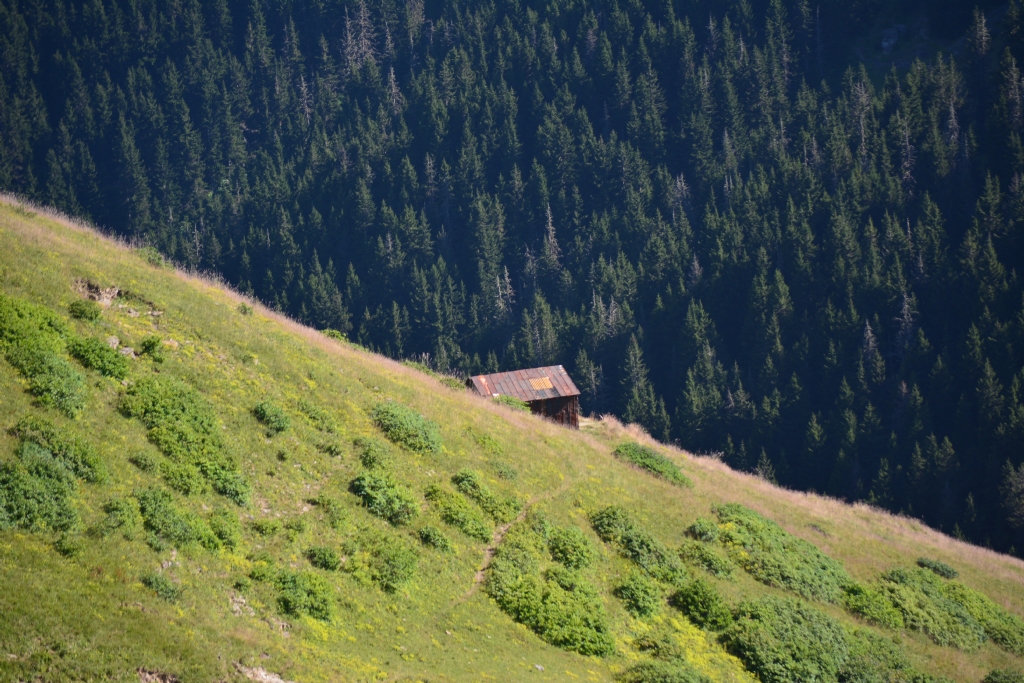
(735, 222)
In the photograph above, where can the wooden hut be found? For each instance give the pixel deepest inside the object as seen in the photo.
(548, 391)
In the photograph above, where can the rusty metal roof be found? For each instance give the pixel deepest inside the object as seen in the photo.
(531, 384)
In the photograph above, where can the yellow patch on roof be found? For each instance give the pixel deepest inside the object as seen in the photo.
(541, 383)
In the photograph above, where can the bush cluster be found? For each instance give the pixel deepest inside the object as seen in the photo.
(785, 640)
(122, 514)
(661, 672)
(1004, 676)
(373, 453)
(456, 511)
(654, 462)
(227, 528)
(700, 555)
(152, 346)
(85, 309)
(32, 338)
(75, 453)
(948, 612)
(641, 596)
(938, 567)
(614, 525)
(919, 600)
(433, 537)
(272, 417)
(703, 530)
(702, 605)
(393, 562)
(184, 427)
(68, 545)
(501, 509)
(323, 557)
(36, 490)
(165, 522)
(570, 547)
(96, 355)
(407, 428)
(321, 419)
(162, 586)
(304, 593)
(777, 558)
(385, 497)
(560, 606)
(266, 527)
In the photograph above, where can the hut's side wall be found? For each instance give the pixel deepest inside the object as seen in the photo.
(564, 411)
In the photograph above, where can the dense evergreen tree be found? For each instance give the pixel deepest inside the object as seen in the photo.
(728, 231)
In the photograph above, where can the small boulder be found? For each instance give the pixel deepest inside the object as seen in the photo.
(113, 342)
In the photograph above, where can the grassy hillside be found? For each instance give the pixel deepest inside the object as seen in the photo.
(242, 496)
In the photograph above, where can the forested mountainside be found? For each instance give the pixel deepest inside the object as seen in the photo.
(744, 225)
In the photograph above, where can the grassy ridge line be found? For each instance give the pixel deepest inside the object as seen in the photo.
(716, 483)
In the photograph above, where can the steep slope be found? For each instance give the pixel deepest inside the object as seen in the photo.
(245, 495)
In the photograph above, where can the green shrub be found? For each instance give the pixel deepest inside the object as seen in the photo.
(501, 509)
(392, 563)
(385, 498)
(649, 459)
(272, 417)
(266, 527)
(320, 418)
(184, 427)
(32, 338)
(152, 346)
(703, 530)
(296, 525)
(154, 258)
(700, 555)
(226, 528)
(563, 608)
(122, 514)
(334, 511)
(35, 491)
(614, 525)
(51, 378)
(661, 672)
(144, 461)
(76, 454)
(456, 511)
(433, 537)
(570, 546)
(924, 604)
(1006, 630)
(162, 586)
(323, 557)
(304, 593)
(69, 546)
(878, 659)
(512, 402)
(334, 334)
(84, 309)
(407, 428)
(777, 558)
(184, 478)
(1004, 676)
(702, 605)
(873, 604)
(162, 518)
(453, 383)
(374, 453)
(641, 596)
(96, 355)
(940, 568)
(783, 640)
